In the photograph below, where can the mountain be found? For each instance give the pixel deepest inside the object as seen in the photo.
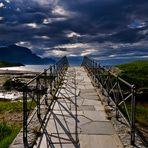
(22, 55)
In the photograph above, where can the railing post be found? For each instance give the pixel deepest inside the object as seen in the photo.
(55, 74)
(51, 76)
(38, 97)
(93, 70)
(45, 87)
(97, 74)
(133, 109)
(25, 117)
(117, 98)
(45, 80)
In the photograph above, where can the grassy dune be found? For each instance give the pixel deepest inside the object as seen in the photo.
(137, 73)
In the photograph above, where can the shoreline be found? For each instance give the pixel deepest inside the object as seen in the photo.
(16, 72)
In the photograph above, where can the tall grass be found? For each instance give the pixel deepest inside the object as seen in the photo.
(8, 133)
(137, 73)
(9, 130)
(11, 106)
(142, 114)
(14, 106)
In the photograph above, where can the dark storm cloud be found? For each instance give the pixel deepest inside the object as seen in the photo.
(40, 24)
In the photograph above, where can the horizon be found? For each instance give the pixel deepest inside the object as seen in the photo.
(77, 60)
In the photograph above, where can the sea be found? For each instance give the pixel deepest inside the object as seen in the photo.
(72, 61)
(33, 68)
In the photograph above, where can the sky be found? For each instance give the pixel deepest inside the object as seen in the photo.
(101, 29)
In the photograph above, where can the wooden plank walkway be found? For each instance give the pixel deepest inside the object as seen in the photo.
(77, 118)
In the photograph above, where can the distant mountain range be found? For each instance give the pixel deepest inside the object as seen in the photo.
(22, 55)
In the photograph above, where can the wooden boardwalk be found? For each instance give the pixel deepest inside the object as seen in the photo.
(77, 118)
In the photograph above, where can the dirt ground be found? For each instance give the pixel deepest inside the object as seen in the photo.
(144, 131)
(11, 117)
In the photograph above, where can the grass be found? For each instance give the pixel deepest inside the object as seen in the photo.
(8, 133)
(10, 121)
(137, 73)
(11, 106)
(9, 64)
(142, 114)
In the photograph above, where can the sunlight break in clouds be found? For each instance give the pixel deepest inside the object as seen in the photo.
(41, 37)
(46, 2)
(1, 5)
(77, 49)
(52, 20)
(1, 18)
(76, 45)
(24, 44)
(8, 1)
(32, 25)
(58, 10)
(73, 34)
(137, 24)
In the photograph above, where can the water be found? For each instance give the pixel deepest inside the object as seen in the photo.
(10, 95)
(33, 68)
(113, 62)
(73, 62)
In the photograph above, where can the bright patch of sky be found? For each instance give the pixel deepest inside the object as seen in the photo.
(32, 25)
(76, 45)
(137, 24)
(51, 20)
(46, 2)
(73, 34)
(58, 10)
(42, 37)
(2, 5)
(24, 44)
(1, 18)
(8, 1)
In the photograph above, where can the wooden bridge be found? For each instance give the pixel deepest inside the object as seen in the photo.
(78, 107)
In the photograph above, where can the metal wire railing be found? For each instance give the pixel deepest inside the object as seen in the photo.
(38, 95)
(119, 92)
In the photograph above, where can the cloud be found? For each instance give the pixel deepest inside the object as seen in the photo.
(32, 25)
(72, 34)
(1, 5)
(137, 24)
(46, 2)
(104, 28)
(1, 18)
(41, 37)
(58, 10)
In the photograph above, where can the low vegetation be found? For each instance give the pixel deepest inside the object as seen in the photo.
(13, 84)
(142, 114)
(10, 121)
(9, 64)
(10, 106)
(7, 133)
(137, 73)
